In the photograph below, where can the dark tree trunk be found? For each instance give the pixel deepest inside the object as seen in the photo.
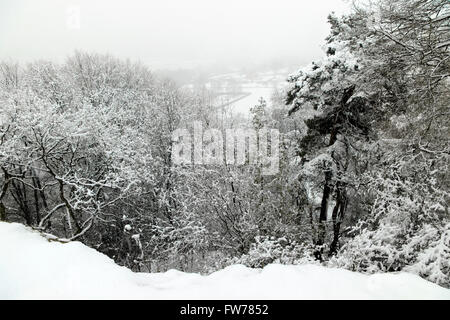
(2, 212)
(36, 202)
(323, 214)
(19, 194)
(338, 215)
(38, 192)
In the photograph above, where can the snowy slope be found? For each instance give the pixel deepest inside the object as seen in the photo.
(32, 267)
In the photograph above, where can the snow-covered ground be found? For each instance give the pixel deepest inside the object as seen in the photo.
(32, 267)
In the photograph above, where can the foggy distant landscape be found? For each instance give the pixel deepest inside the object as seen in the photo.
(208, 150)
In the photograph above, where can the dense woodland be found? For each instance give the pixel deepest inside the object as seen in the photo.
(364, 179)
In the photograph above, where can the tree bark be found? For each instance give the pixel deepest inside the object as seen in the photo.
(2, 212)
(323, 215)
(338, 215)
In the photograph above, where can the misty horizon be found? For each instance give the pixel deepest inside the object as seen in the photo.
(167, 35)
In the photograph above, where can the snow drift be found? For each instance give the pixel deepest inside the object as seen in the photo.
(31, 267)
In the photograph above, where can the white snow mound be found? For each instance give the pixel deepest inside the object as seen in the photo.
(31, 267)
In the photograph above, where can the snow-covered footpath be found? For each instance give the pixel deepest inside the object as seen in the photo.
(31, 267)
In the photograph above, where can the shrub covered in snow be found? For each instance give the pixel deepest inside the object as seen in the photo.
(389, 248)
(267, 250)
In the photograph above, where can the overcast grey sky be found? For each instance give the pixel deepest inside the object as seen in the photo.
(166, 32)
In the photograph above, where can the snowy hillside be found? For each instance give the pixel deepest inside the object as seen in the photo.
(33, 267)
